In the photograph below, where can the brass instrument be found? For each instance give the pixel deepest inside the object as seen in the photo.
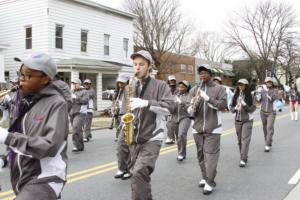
(196, 100)
(128, 118)
(115, 109)
(5, 92)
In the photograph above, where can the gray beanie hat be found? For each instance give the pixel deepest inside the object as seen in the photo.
(144, 54)
(41, 62)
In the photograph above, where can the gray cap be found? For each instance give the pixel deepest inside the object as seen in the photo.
(87, 81)
(171, 77)
(218, 78)
(41, 62)
(76, 80)
(205, 67)
(268, 79)
(144, 54)
(243, 81)
(184, 82)
(123, 78)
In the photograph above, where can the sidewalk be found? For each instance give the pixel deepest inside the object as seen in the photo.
(294, 193)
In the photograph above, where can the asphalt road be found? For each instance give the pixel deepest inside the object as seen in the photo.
(265, 177)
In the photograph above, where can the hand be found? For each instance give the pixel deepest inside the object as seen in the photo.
(3, 135)
(265, 88)
(138, 103)
(243, 102)
(259, 89)
(190, 110)
(204, 95)
(74, 96)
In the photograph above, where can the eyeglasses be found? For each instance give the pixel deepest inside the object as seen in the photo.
(203, 73)
(27, 77)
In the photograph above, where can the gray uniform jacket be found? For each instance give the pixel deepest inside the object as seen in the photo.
(149, 120)
(207, 119)
(245, 113)
(267, 99)
(81, 100)
(92, 104)
(181, 108)
(41, 148)
(65, 90)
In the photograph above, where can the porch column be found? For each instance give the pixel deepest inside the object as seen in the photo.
(99, 90)
(74, 74)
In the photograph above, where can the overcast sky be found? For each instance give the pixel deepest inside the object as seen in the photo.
(209, 15)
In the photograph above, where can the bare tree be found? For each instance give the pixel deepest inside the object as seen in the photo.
(160, 28)
(260, 33)
(210, 46)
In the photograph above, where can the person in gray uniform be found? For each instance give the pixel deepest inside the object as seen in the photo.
(78, 113)
(207, 99)
(243, 106)
(171, 121)
(123, 152)
(91, 107)
(182, 118)
(151, 102)
(37, 138)
(267, 95)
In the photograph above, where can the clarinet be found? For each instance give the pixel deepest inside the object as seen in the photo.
(197, 98)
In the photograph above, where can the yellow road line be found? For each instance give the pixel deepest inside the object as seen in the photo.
(113, 165)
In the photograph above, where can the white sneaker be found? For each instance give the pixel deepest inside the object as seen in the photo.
(180, 158)
(207, 189)
(169, 141)
(267, 148)
(242, 163)
(202, 183)
(119, 174)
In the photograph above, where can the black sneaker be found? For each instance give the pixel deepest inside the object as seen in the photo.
(126, 176)
(119, 174)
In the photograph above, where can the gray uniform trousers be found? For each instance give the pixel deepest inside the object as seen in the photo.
(87, 125)
(123, 154)
(181, 130)
(171, 125)
(142, 164)
(41, 191)
(77, 122)
(208, 152)
(244, 133)
(268, 120)
(118, 125)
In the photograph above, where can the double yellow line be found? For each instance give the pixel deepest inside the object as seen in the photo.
(84, 174)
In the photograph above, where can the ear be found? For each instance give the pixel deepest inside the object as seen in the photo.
(45, 80)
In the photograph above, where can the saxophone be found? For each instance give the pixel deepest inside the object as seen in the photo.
(128, 118)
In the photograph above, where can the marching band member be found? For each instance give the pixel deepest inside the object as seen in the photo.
(182, 118)
(91, 107)
(293, 97)
(123, 152)
(152, 103)
(37, 138)
(78, 113)
(171, 123)
(243, 106)
(207, 99)
(267, 96)
(229, 93)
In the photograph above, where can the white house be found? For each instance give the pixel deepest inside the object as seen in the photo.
(87, 40)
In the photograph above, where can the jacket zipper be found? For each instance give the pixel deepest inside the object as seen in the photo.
(204, 116)
(18, 157)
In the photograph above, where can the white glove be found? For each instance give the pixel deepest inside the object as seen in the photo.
(138, 103)
(259, 89)
(74, 96)
(1, 164)
(243, 102)
(190, 110)
(178, 100)
(265, 88)
(3, 135)
(204, 95)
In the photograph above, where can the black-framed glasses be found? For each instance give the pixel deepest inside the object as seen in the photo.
(27, 77)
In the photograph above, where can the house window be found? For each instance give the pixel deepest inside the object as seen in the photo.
(84, 39)
(191, 69)
(59, 36)
(125, 47)
(28, 37)
(106, 44)
(182, 68)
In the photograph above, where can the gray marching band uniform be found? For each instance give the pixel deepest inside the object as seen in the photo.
(243, 126)
(268, 113)
(183, 122)
(148, 135)
(91, 106)
(207, 128)
(77, 117)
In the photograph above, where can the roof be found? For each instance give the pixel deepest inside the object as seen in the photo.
(89, 63)
(105, 8)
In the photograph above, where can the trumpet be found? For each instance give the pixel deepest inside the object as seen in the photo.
(5, 92)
